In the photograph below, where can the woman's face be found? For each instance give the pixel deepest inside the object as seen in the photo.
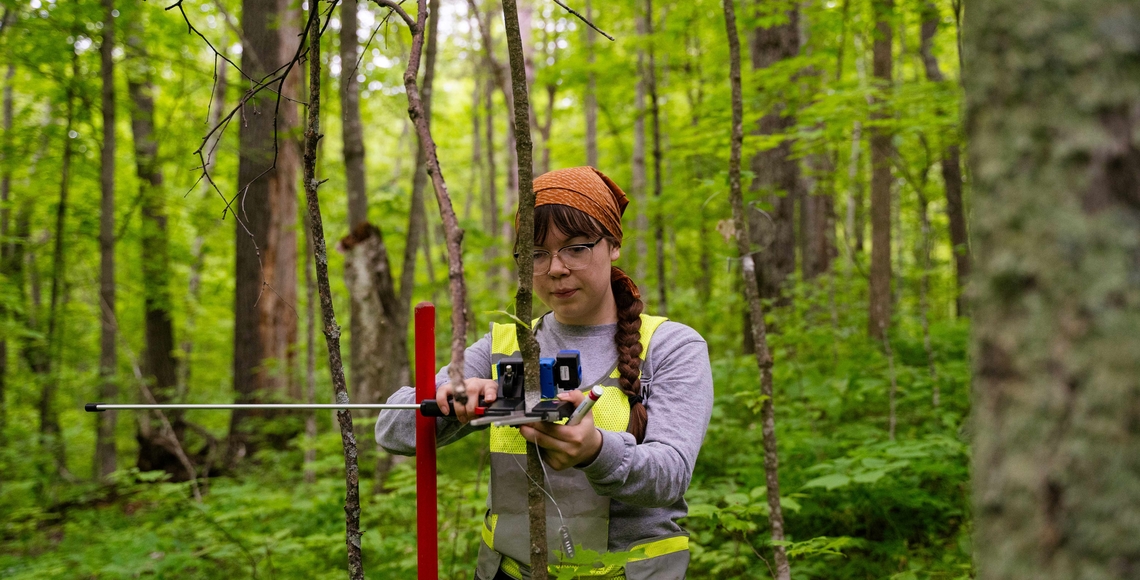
(578, 297)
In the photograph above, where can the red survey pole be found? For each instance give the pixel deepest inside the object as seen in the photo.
(427, 535)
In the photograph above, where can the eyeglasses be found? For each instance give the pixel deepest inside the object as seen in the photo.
(574, 257)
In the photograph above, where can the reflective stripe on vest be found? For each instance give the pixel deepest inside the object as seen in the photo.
(654, 549)
(584, 512)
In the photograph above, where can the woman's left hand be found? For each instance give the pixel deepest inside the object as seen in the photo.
(566, 446)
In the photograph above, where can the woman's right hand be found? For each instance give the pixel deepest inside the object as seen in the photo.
(488, 388)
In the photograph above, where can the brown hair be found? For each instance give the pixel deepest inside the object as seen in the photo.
(573, 222)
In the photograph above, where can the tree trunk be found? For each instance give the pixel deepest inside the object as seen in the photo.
(363, 364)
(638, 175)
(879, 315)
(106, 457)
(50, 436)
(777, 175)
(752, 295)
(818, 209)
(591, 94)
(159, 365)
(951, 164)
(536, 501)
(331, 329)
(655, 116)
(353, 130)
(853, 239)
(265, 326)
(1053, 111)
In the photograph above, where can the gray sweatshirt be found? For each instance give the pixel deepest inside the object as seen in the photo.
(646, 483)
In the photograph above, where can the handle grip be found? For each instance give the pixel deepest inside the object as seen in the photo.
(430, 408)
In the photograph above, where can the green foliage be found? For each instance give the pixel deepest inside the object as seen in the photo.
(857, 505)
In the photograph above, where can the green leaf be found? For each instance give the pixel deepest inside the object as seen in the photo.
(517, 320)
(869, 476)
(829, 481)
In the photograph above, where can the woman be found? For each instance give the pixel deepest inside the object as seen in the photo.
(617, 479)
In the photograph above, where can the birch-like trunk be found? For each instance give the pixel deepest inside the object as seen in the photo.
(752, 296)
(331, 329)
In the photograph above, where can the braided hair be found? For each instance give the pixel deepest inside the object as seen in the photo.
(573, 222)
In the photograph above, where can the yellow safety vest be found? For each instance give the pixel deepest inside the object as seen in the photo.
(506, 538)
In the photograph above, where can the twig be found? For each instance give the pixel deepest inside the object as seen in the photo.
(583, 19)
(413, 25)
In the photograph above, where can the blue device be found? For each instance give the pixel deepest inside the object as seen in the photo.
(546, 377)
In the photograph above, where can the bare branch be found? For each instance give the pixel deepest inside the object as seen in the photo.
(452, 232)
(411, 22)
(583, 19)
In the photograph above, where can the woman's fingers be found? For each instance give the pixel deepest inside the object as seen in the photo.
(442, 392)
(476, 388)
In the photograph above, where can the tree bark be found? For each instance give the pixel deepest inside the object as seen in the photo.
(655, 116)
(777, 173)
(331, 329)
(536, 501)
(106, 456)
(1052, 118)
(265, 326)
(159, 365)
(353, 131)
(879, 315)
(951, 165)
(752, 296)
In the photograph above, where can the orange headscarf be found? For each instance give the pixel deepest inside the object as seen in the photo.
(586, 189)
